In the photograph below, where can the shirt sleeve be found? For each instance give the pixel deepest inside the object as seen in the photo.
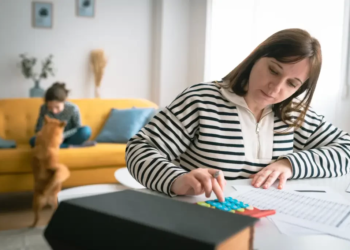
(320, 149)
(40, 121)
(76, 119)
(69, 133)
(151, 153)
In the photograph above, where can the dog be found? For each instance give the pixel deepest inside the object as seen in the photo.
(48, 173)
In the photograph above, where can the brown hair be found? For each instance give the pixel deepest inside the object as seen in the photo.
(286, 46)
(57, 92)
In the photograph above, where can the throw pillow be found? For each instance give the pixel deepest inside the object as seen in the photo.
(7, 143)
(155, 111)
(122, 124)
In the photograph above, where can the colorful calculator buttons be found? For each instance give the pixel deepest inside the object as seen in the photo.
(237, 207)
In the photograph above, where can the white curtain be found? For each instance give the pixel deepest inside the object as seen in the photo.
(237, 27)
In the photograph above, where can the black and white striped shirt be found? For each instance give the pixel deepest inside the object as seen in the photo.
(202, 128)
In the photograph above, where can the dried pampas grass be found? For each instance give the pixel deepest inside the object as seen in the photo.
(99, 62)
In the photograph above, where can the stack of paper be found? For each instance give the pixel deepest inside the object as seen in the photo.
(301, 213)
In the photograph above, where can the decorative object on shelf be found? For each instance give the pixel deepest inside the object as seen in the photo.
(86, 8)
(42, 13)
(99, 62)
(28, 64)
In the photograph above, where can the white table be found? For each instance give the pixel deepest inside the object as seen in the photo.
(267, 236)
(89, 190)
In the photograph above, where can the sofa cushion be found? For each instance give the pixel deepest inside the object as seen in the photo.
(122, 124)
(103, 154)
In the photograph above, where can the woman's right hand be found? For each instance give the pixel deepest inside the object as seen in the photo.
(200, 181)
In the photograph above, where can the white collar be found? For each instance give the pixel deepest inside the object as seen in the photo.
(239, 100)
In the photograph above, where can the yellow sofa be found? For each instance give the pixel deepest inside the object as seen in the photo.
(91, 165)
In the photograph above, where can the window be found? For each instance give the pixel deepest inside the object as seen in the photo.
(237, 27)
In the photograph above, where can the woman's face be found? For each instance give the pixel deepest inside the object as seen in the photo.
(271, 81)
(55, 107)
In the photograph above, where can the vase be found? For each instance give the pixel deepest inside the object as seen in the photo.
(36, 91)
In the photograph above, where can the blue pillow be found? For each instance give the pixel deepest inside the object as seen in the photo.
(7, 143)
(122, 124)
(154, 112)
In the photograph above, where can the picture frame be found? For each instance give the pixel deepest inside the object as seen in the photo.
(85, 8)
(42, 15)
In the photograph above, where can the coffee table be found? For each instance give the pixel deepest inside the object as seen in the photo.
(122, 175)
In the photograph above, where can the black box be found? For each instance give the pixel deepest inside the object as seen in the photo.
(133, 220)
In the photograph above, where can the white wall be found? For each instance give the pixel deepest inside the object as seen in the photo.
(342, 114)
(123, 28)
(178, 47)
(198, 40)
(155, 48)
(174, 49)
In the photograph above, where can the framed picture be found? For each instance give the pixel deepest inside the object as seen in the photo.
(86, 8)
(42, 14)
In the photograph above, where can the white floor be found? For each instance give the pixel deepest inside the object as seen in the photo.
(23, 239)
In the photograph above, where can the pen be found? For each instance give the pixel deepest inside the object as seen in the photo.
(216, 174)
(311, 191)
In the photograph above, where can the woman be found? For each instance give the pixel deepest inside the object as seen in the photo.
(251, 125)
(57, 106)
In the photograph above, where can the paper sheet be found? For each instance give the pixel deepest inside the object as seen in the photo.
(294, 230)
(320, 214)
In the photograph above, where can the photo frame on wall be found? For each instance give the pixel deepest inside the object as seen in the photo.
(85, 8)
(42, 15)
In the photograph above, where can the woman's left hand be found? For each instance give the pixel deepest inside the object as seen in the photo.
(281, 170)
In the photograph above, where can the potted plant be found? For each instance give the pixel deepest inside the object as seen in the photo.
(28, 64)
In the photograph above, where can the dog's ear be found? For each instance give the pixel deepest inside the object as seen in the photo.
(46, 119)
(63, 124)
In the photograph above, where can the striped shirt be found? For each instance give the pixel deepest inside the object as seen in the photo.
(70, 114)
(202, 129)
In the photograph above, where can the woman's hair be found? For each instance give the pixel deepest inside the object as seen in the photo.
(286, 46)
(57, 92)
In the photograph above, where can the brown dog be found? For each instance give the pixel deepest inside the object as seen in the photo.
(47, 171)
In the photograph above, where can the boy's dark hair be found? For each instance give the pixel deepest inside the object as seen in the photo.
(57, 92)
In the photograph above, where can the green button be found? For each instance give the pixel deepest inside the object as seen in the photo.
(204, 204)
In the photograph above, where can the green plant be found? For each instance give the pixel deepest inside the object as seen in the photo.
(28, 64)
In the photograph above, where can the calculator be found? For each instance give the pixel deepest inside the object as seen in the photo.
(235, 206)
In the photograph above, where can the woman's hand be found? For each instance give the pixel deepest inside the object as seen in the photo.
(200, 181)
(281, 170)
